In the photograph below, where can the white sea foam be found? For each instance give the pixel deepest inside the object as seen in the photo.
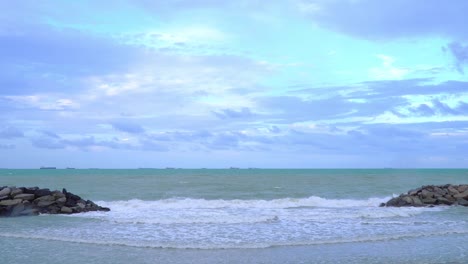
(212, 224)
(189, 203)
(287, 210)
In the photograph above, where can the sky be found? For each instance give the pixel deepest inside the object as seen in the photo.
(215, 84)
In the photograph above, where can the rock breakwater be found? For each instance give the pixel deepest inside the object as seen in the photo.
(20, 201)
(432, 195)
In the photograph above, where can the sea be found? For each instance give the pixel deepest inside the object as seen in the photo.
(238, 216)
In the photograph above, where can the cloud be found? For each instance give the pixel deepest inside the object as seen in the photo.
(173, 91)
(459, 51)
(10, 132)
(295, 109)
(423, 110)
(462, 108)
(439, 108)
(128, 127)
(383, 102)
(443, 126)
(49, 134)
(185, 76)
(167, 8)
(233, 114)
(140, 86)
(211, 141)
(226, 140)
(42, 102)
(150, 145)
(408, 140)
(90, 143)
(55, 60)
(388, 71)
(50, 140)
(181, 136)
(366, 141)
(443, 108)
(47, 143)
(389, 19)
(7, 146)
(389, 131)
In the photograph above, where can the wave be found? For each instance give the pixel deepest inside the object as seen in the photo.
(202, 211)
(156, 245)
(284, 203)
(165, 219)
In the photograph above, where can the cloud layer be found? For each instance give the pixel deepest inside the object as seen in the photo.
(295, 83)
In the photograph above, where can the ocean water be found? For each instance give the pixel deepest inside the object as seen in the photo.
(238, 216)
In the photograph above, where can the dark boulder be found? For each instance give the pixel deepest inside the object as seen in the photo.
(33, 201)
(17, 209)
(42, 192)
(462, 202)
(30, 190)
(431, 195)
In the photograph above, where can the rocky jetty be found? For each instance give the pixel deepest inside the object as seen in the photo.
(432, 195)
(33, 201)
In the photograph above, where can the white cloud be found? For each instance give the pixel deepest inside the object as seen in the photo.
(179, 38)
(170, 85)
(308, 7)
(116, 84)
(44, 102)
(387, 70)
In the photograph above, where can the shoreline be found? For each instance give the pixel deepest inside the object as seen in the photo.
(420, 250)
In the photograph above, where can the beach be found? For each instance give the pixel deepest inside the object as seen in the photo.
(238, 216)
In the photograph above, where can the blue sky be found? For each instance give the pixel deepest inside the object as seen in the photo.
(205, 83)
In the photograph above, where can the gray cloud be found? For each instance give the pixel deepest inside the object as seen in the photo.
(167, 8)
(88, 142)
(459, 52)
(49, 134)
(10, 132)
(423, 110)
(379, 89)
(443, 108)
(105, 78)
(129, 127)
(233, 114)
(294, 109)
(365, 99)
(55, 60)
(7, 146)
(47, 143)
(47, 140)
(151, 145)
(50, 140)
(174, 136)
(384, 88)
(211, 141)
(226, 140)
(366, 141)
(445, 126)
(406, 140)
(440, 108)
(390, 19)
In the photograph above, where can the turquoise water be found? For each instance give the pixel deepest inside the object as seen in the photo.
(239, 216)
